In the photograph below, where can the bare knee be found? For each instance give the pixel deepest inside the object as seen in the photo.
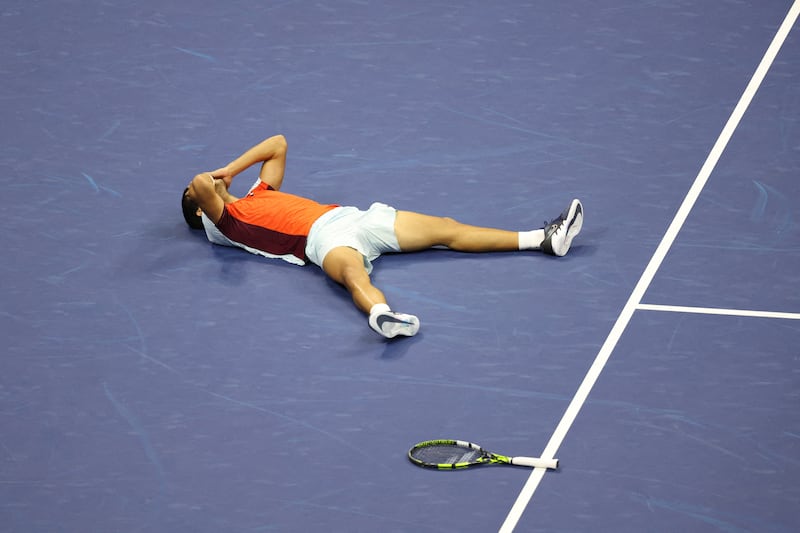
(345, 266)
(449, 231)
(352, 276)
(418, 232)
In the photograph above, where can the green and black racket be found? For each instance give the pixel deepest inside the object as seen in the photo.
(451, 454)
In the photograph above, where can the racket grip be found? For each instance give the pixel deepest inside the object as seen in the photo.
(535, 462)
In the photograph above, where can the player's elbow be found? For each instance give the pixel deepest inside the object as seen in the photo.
(281, 143)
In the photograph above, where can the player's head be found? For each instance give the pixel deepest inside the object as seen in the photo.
(191, 211)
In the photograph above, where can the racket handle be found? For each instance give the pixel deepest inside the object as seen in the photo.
(535, 462)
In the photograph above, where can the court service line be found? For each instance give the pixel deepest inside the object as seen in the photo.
(652, 267)
(717, 311)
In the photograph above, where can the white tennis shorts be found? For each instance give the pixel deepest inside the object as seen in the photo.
(371, 232)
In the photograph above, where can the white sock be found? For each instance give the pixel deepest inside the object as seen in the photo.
(379, 308)
(531, 240)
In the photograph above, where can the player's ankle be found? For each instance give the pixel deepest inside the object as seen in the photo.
(379, 308)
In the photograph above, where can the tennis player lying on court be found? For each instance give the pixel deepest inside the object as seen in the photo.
(343, 240)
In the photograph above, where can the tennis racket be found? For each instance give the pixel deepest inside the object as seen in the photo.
(451, 454)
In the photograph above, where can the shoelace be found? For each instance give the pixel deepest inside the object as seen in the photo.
(557, 222)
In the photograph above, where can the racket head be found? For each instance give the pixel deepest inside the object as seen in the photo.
(445, 454)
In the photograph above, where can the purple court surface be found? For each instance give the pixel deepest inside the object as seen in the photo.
(152, 382)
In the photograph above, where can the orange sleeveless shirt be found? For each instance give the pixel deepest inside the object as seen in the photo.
(274, 222)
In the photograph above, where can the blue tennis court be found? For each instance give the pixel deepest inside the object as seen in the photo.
(153, 382)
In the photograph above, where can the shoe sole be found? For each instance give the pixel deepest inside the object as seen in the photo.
(406, 328)
(575, 217)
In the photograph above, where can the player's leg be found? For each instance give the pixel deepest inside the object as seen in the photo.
(416, 232)
(345, 266)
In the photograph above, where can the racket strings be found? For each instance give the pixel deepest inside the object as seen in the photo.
(445, 454)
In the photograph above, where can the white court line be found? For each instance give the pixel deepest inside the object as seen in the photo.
(652, 267)
(716, 311)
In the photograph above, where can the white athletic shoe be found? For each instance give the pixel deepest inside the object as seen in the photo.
(558, 233)
(391, 324)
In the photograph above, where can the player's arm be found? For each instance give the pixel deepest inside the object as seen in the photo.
(202, 189)
(271, 153)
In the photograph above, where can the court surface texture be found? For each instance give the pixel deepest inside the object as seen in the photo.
(152, 382)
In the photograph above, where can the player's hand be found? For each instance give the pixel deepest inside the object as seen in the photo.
(223, 174)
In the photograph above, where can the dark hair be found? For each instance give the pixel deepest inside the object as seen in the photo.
(190, 211)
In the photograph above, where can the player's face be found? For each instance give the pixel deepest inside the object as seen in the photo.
(199, 211)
